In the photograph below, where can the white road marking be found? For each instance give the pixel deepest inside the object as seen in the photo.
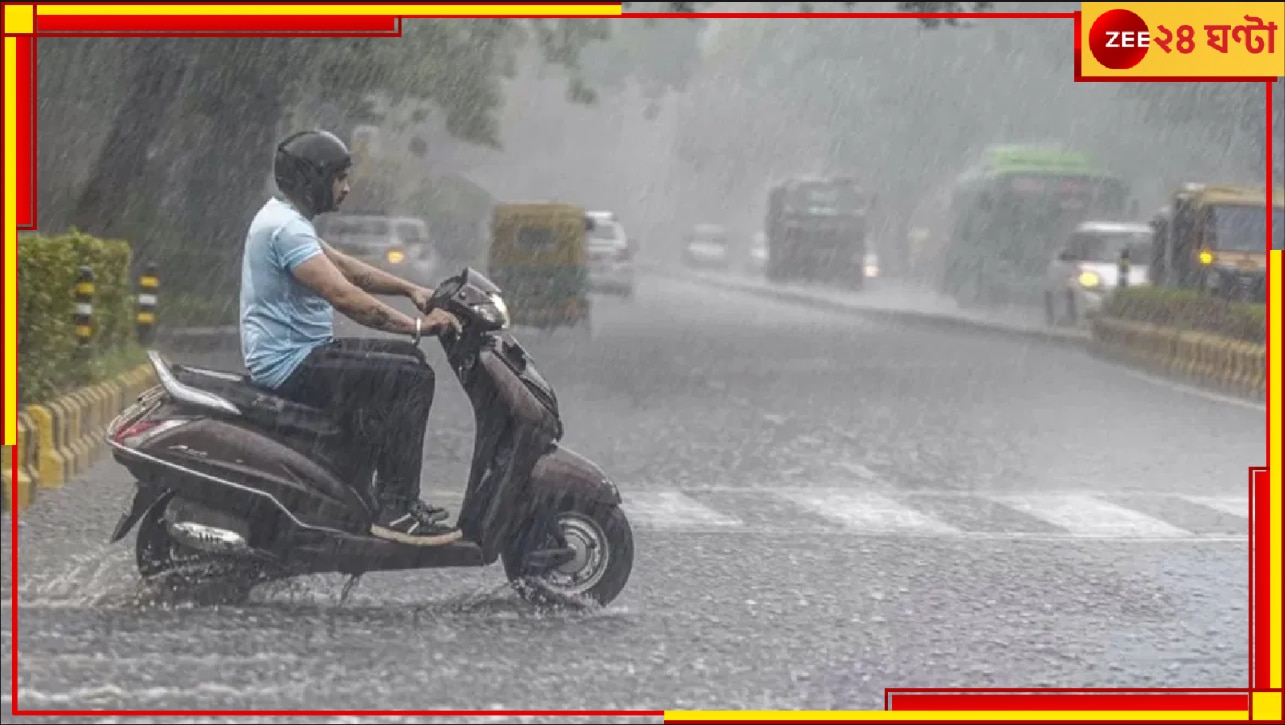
(866, 511)
(1234, 505)
(672, 510)
(1089, 517)
(1190, 390)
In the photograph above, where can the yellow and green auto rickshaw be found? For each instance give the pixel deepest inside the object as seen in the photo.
(538, 259)
(1213, 237)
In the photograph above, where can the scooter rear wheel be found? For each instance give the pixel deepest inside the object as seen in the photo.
(603, 542)
(183, 570)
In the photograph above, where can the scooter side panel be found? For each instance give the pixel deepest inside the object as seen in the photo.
(563, 472)
(513, 394)
(220, 450)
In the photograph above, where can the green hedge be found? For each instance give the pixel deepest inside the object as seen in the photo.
(1190, 310)
(48, 363)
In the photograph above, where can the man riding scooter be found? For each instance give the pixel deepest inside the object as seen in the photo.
(381, 390)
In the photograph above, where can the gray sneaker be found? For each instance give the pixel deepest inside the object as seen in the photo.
(418, 526)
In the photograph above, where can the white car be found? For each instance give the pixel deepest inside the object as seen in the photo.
(395, 244)
(706, 247)
(611, 259)
(1087, 270)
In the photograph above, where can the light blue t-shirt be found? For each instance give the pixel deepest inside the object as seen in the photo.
(281, 319)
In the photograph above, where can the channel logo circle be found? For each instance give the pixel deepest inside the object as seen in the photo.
(1119, 39)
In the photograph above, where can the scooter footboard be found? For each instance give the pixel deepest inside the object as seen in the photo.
(562, 472)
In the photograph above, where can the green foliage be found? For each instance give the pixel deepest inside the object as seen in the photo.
(48, 362)
(1190, 310)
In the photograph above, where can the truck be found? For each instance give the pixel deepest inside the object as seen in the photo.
(1011, 211)
(816, 230)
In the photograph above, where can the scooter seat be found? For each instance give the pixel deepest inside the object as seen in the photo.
(259, 404)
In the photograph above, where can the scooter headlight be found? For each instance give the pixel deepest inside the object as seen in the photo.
(495, 311)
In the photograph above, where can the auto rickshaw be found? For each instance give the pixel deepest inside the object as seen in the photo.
(538, 258)
(1214, 238)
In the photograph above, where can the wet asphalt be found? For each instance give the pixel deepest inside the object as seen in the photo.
(824, 505)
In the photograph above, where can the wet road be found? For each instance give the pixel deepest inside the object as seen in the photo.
(824, 506)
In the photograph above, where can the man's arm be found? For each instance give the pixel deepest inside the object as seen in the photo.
(320, 275)
(368, 278)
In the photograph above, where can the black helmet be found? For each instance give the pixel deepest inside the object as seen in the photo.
(306, 166)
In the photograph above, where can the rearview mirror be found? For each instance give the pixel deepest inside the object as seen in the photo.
(1065, 256)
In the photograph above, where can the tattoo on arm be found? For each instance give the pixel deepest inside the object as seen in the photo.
(363, 280)
(370, 279)
(380, 317)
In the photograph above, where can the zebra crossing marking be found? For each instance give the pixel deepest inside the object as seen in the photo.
(1234, 505)
(847, 512)
(1087, 517)
(867, 511)
(673, 510)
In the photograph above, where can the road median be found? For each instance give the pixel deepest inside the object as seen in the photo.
(1210, 361)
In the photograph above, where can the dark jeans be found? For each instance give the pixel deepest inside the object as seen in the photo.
(382, 392)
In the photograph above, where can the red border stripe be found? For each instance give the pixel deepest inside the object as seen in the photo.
(1262, 572)
(24, 127)
(1030, 701)
(107, 24)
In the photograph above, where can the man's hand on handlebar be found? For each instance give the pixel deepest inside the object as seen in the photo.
(423, 299)
(439, 321)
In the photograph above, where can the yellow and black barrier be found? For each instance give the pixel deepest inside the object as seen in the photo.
(20, 482)
(64, 436)
(1213, 361)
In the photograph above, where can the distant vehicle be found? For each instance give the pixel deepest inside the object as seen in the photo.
(1012, 210)
(611, 256)
(871, 265)
(758, 253)
(706, 247)
(399, 245)
(1087, 269)
(816, 230)
(1213, 237)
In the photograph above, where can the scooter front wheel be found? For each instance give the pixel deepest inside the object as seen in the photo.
(603, 544)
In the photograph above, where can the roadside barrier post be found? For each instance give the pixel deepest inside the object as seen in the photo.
(84, 317)
(148, 285)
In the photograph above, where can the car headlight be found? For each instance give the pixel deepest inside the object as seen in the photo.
(495, 312)
(1090, 279)
(395, 256)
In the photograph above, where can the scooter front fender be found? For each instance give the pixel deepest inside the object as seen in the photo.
(145, 497)
(562, 472)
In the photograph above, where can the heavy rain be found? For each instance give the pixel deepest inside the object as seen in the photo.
(881, 331)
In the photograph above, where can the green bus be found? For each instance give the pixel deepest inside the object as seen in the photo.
(1012, 211)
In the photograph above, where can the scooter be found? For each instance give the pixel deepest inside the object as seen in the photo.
(238, 485)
